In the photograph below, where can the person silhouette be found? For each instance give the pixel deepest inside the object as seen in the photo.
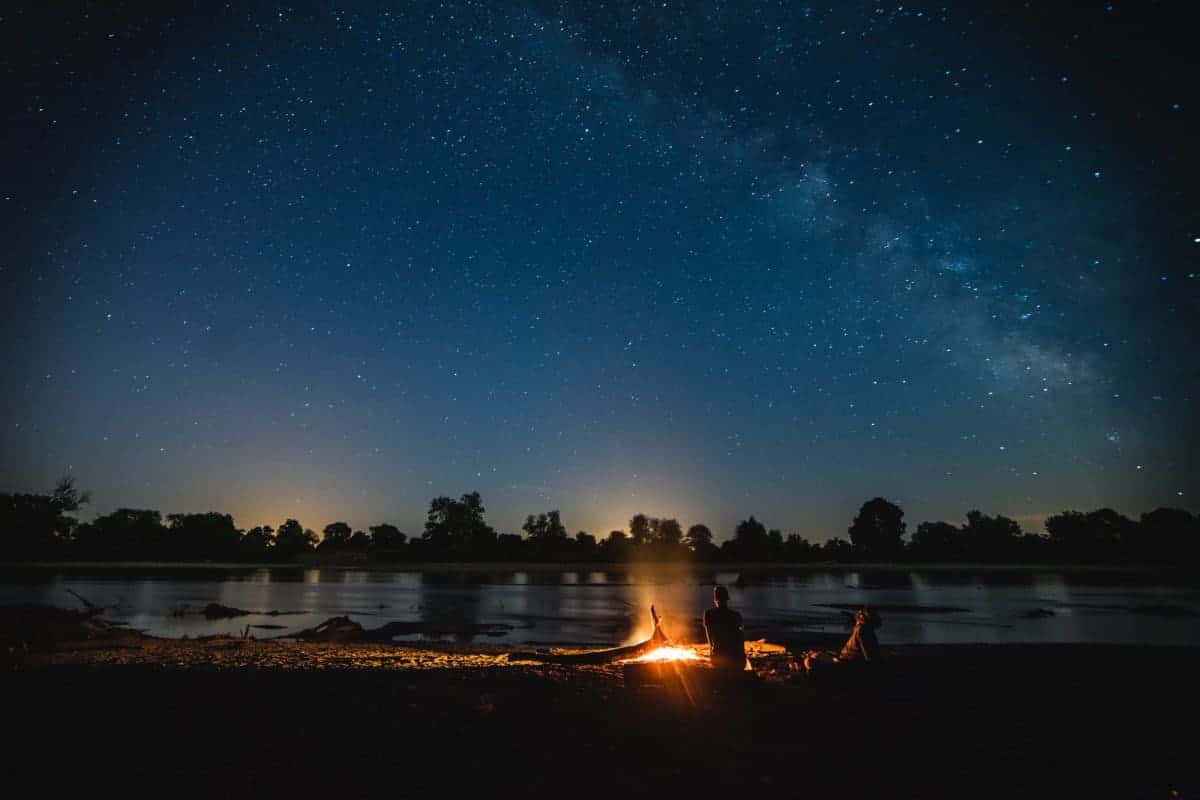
(863, 644)
(723, 629)
(862, 648)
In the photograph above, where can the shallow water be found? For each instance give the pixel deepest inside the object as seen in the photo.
(607, 606)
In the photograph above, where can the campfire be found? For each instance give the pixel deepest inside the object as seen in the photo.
(666, 653)
(648, 656)
(659, 662)
(668, 667)
(659, 649)
(655, 662)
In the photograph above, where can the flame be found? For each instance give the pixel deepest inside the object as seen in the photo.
(670, 654)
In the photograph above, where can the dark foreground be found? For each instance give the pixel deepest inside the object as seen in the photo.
(239, 719)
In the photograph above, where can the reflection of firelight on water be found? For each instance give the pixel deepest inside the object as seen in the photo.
(669, 654)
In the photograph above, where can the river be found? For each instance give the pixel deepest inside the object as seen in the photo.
(605, 606)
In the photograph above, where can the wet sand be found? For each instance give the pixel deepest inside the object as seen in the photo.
(226, 717)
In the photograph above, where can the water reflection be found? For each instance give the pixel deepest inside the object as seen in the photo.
(450, 603)
(880, 580)
(611, 606)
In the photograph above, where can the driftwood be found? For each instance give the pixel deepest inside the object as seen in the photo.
(29, 626)
(658, 638)
(218, 611)
(334, 629)
(344, 629)
(93, 610)
(88, 604)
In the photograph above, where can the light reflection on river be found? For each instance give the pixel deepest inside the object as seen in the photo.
(602, 607)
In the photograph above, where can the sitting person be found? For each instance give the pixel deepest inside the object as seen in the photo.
(863, 643)
(723, 629)
(861, 648)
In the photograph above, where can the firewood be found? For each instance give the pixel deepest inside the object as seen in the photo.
(658, 638)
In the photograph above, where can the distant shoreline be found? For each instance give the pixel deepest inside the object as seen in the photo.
(632, 566)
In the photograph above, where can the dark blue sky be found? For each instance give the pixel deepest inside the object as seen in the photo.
(701, 260)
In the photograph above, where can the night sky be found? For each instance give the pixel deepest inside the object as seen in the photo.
(701, 260)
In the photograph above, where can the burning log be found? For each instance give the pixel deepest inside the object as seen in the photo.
(658, 638)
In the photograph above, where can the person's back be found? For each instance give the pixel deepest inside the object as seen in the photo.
(723, 627)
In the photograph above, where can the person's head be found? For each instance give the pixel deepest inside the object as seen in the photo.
(720, 596)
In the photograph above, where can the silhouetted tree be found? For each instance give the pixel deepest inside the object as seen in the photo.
(293, 540)
(585, 546)
(750, 542)
(774, 544)
(639, 530)
(546, 527)
(1032, 548)
(1069, 533)
(1167, 535)
(797, 549)
(547, 536)
(1114, 530)
(68, 496)
(698, 535)
(210, 536)
(938, 541)
(38, 525)
(335, 536)
(456, 528)
(838, 549)
(699, 540)
(669, 533)
(258, 543)
(878, 530)
(1094, 536)
(616, 547)
(666, 540)
(510, 547)
(125, 534)
(387, 537)
(991, 538)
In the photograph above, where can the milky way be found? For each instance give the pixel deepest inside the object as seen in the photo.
(697, 260)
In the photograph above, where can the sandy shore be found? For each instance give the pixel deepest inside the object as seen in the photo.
(109, 709)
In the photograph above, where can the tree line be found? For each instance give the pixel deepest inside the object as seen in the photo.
(41, 527)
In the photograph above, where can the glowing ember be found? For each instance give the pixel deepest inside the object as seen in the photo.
(670, 654)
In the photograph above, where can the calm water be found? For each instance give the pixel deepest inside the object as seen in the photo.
(611, 607)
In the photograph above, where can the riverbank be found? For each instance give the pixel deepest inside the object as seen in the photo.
(115, 709)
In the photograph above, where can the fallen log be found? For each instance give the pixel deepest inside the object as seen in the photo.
(30, 626)
(334, 629)
(344, 629)
(92, 610)
(218, 611)
(658, 638)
